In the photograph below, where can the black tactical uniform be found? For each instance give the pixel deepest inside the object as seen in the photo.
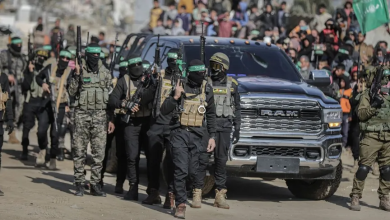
(159, 139)
(228, 112)
(134, 136)
(57, 75)
(189, 129)
(5, 105)
(33, 101)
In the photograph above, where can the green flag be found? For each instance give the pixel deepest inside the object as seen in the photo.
(371, 13)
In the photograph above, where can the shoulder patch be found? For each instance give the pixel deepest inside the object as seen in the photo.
(235, 81)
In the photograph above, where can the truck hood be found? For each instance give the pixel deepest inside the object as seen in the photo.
(261, 84)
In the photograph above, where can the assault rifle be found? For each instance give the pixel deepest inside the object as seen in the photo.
(135, 99)
(30, 49)
(78, 56)
(179, 74)
(376, 86)
(202, 45)
(112, 64)
(157, 71)
(53, 100)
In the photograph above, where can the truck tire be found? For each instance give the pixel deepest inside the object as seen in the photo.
(209, 181)
(317, 189)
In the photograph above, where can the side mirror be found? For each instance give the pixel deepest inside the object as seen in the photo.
(318, 78)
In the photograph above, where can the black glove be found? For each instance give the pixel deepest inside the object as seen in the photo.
(377, 101)
(130, 105)
(10, 127)
(236, 136)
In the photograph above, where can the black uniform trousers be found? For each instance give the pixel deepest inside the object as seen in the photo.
(134, 138)
(186, 147)
(355, 139)
(1, 135)
(30, 113)
(159, 140)
(222, 140)
(46, 118)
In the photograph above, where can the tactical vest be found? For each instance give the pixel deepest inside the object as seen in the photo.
(36, 91)
(94, 92)
(191, 116)
(166, 87)
(144, 111)
(380, 121)
(224, 101)
(3, 97)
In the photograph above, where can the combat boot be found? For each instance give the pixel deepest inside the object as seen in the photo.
(53, 164)
(355, 167)
(24, 155)
(196, 198)
(169, 201)
(220, 199)
(60, 156)
(41, 158)
(153, 198)
(180, 211)
(375, 169)
(101, 183)
(12, 138)
(119, 188)
(79, 190)
(97, 191)
(385, 203)
(132, 194)
(355, 203)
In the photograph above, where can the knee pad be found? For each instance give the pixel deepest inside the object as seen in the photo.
(385, 172)
(362, 172)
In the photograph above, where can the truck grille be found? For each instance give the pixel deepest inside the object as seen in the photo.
(278, 151)
(306, 120)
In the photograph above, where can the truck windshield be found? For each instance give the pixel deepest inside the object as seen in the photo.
(246, 60)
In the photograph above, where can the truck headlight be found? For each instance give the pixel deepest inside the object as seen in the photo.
(332, 117)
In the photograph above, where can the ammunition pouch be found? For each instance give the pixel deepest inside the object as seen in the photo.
(194, 109)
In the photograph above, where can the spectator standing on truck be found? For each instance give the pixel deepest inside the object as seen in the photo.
(375, 127)
(155, 14)
(39, 34)
(189, 131)
(185, 19)
(228, 114)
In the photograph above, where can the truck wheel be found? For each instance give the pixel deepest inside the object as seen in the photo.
(209, 181)
(317, 189)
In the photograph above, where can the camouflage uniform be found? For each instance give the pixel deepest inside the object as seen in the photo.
(13, 64)
(90, 120)
(375, 146)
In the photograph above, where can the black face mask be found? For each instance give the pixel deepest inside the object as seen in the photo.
(217, 75)
(123, 71)
(195, 78)
(62, 64)
(136, 72)
(172, 65)
(16, 48)
(92, 62)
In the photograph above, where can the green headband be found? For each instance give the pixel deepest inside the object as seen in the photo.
(102, 55)
(123, 64)
(16, 41)
(386, 72)
(73, 52)
(47, 47)
(65, 53)
(343, 51)
(135, 60)
(145, 65)
(172, 55)
(197, 68)
(255, 32)
(93, 50)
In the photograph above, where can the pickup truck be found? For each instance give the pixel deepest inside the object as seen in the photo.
(290, 129)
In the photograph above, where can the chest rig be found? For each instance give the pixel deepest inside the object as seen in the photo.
(224, 101)
(380, 121)
(3, 97)
(94, 91)
(59, 84)
(194, 108)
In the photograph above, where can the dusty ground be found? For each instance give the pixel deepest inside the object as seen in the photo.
(32, 193)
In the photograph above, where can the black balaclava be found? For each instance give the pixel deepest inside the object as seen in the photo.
(62, 65)
(123, 68)
(135, 66)
(40, 58)
(14, 48)
(196, 73)
(172, 57)
(90, 58)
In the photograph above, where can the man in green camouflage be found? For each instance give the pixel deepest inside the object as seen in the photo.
(90, 85)
(13, 63)
(374, 116)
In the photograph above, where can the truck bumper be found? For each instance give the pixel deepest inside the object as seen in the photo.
(323, 167)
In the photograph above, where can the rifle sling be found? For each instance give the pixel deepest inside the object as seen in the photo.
(61, 89)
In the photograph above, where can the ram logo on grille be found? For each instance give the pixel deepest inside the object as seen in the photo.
(281, 113)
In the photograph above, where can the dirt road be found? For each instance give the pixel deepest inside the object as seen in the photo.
(32, 193)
